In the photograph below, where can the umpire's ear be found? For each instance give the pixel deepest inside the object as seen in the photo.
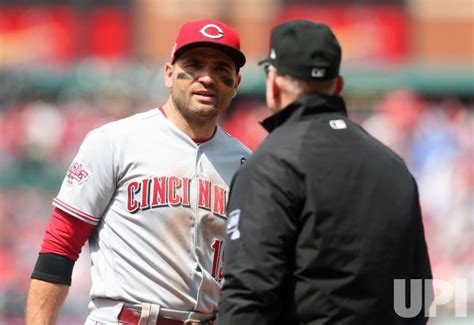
(339, 86)
(274, 88)
(169, 75)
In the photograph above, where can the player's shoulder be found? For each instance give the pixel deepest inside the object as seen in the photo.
(232, 143)
(122, 129)
(132, 123)
(141, 117)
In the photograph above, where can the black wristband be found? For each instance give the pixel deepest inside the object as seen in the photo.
(53, 268)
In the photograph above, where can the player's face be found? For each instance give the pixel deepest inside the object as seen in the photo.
(203, 81)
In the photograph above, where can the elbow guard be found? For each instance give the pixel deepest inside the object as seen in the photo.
(53, 268)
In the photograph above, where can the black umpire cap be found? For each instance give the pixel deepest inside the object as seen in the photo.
(305, 50)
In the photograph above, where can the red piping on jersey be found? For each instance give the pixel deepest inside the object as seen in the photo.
(199, 141)
(163, 111)
(65, 235)
(71, 210)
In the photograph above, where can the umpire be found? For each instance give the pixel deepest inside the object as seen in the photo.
(323, 217)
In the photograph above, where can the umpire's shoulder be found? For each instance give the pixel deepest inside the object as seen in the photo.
(284, 141)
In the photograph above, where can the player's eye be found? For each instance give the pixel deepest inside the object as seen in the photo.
(193, 64)
(224, 68)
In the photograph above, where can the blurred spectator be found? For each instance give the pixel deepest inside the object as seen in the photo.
(396, 119)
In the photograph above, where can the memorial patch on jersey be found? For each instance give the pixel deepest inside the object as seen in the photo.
(76, 173)
(232, 227)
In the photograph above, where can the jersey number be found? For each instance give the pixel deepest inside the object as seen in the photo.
(217, 259)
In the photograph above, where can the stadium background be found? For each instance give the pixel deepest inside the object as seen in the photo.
(69, 66)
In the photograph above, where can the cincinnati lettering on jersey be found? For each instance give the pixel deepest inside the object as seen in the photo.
(155, 192)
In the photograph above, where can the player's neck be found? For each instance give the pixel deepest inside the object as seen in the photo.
(193, 128)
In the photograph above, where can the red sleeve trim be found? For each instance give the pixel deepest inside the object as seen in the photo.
(65, 235)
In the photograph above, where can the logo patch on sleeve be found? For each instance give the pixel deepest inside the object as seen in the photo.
(76, 174)
(232, 226)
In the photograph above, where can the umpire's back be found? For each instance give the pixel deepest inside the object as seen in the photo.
(360, 224)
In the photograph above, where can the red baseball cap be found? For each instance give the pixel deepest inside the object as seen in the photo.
(209, 33)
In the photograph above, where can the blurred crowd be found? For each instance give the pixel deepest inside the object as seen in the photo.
(39, 137)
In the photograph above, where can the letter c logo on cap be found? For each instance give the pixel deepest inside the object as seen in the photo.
(204, 31)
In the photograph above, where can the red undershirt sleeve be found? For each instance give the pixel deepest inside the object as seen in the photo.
(65, 235)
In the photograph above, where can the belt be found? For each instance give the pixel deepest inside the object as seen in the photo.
(132, 316)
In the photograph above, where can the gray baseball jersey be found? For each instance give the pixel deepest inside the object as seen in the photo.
(158, 200)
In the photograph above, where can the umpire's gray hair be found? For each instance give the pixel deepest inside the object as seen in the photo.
(299, 87)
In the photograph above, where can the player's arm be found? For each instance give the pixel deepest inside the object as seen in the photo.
(51, 278)
(260, 245)
(44, 302)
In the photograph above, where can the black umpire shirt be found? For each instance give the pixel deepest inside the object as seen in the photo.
(322, 219)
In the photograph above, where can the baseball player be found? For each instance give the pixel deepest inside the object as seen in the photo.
(149, 194)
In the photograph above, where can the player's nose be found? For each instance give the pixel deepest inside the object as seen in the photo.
(207, 75)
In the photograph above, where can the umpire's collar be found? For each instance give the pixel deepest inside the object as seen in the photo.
(303, 106)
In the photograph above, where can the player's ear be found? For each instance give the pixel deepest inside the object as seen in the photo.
(238, 79)
(168, 74)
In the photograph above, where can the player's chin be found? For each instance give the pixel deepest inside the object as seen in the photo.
(205, 101)
(207, 105)
(206, 111)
